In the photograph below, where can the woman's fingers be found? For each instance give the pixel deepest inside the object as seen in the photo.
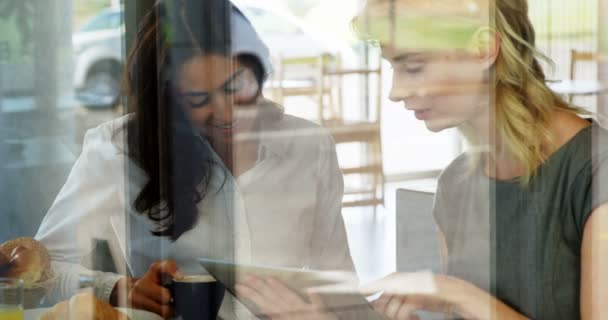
(153, 291)
(398, 307)
(382, 302)
(406, 311)
(164, 268)
(403, 307)
(148, 293)
(392, 307)
(286, 294)
(266, 307)
(274, 298)
(430, 303)
(264, 288)
(316, 300)
(139, 301)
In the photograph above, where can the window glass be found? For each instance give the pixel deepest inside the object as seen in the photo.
(269, 23)
(151, 148)
(103, 21)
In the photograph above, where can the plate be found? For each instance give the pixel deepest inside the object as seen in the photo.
(135, 314)
(34, 314)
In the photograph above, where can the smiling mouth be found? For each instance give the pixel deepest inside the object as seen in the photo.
(224, 126)
(422, 114)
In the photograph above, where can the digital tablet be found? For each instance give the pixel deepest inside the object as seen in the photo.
(300, 280)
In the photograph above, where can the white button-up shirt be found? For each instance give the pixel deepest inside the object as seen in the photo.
(285, 211)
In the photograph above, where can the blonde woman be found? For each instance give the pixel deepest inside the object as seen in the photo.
(523, 215)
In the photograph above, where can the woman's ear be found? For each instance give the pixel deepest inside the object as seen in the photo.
(485, 44)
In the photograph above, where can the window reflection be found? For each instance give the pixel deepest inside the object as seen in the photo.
(133, 133)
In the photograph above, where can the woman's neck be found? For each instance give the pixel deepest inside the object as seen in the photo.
(501, 164)
(502, 167)
(238, 157)
(497, 161)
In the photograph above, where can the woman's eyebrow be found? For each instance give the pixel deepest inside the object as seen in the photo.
(195, 93)
(232, 77)
(407, 56)
(205, 93)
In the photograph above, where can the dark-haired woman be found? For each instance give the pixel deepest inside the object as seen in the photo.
(204, 166)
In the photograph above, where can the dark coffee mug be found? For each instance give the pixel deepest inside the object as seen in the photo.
(197, 297)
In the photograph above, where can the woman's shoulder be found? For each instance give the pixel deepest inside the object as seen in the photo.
(290, 122)
(595, 140)
(600, 141)
(586, 157)
(107, 139)
(457, 171)
(293, 134)
(586, 148)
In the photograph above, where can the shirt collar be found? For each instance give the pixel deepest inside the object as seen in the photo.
(274, 139)
(271, 144)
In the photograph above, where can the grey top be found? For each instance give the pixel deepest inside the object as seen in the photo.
(520, 242)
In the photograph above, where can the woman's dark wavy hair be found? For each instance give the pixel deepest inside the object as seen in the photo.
(160, 139)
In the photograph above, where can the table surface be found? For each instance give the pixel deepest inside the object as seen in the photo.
(579, 87)
(34, 314)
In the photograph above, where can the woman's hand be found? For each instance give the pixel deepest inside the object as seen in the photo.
(148, 293)
(277, 302)
(406, 293)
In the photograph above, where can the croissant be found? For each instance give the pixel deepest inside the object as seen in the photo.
(83, 306)
(28, 260)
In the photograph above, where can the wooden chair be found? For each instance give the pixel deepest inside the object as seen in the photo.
(577, 56)
(321, 78)
(301, 77)
(365, 132)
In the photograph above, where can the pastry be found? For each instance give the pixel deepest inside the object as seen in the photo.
(83, 306)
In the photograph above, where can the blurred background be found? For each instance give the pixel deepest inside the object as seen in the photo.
(61, 63)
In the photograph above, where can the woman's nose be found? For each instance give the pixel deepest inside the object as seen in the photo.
(396, 93)
(223, 110)
(403, 89)
(393, 95)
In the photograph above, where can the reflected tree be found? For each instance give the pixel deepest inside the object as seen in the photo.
(22, 11)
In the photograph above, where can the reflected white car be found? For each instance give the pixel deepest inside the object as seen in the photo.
(99, 55)
(98, 59)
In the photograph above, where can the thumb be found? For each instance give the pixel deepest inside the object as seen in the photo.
(170, 268)
(162, 269)
(315, 299)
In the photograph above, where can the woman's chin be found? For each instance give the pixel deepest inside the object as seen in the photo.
(437, 125)
(219, 137)
(224, 138)
(239, 133)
